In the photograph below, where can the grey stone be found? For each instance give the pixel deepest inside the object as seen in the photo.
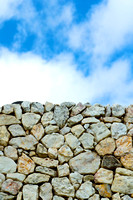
(16, 176)
(118, 130)
(11, 186)
(76, 179)
(37, 108)
(87, 140)
(5, 196)
(110, 162)
(30, 192)
(118, 110)
(16, 130)
(74, 120)
(54, 140)
(94, 111)
(11, 152)
(72, 140)
(48, 106)
(8, 120)
(61, 114)
(26, 106)
(85, 191)
(46, 191)
(36, 178)
(77, 109)
(29, 120)
(7, 109)
(46, 170)
(17, 110)
(7, 165)
(46, 118)
(4, 136)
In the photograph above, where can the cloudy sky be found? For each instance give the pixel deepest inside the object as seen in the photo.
(66, 50)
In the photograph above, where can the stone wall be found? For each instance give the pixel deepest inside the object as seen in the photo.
(66, 151)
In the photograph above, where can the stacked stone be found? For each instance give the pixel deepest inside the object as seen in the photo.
(66, 151)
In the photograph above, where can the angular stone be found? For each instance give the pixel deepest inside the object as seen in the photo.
(37, 131)
(16, 176)
(118, 110)
(94, 111)
(110, 162)
(104, 190)
(72, 140)
(126, 197)
(116, 196)
(52, 153)
(36, 178)
(7, 165)
(46, 118)
(74, 120)
(19, 196)
(48, 106)
(8, 120)
(46, 191)
(123, 171)
(88, 178)
(68, 104)
(51, 129)
(127, 161)
(28, 142)
(122, 184)
(11, 186)
(58, 198)
(37, 108)
(5, 196)
(107, 111)
(124, 145)
(45, 162)
(41, 151)
(77, 109)
(100, 131)
(4, 136)
(95, 197)
(63, 187)
(11, 152)
(16, 130)
(29, 120)
(85, 190)
(2, 179)
(65, 130)
(76, 179)
(25, 164)
(106, 146)
(85, 163)
(46, 170)
(7, 109)
(54, 140)
(118, 130)
(17, 110)
(90, 120)
(111, 119)
(78, 150)
(61, 114)
(77, 130)
(65, 151)
(103, 176)
(26, 106)
(63, 170)
(30, 192)
(87, 140)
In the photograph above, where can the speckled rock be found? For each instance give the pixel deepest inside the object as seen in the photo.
(7, 165)
(8, 120)
(74, 120)
(85, 190)
(118, 130)
(87, 140)
(54, 140)
(46, 170)
(16, 176)
(46, 118)
(2, 179)
(36, 178)
(124, 145)
(37, 108)
(46, 191)
(72, 140)
(26, 106)
(16, 130)
(110, 162)
(45, 162)
(104, 190)
(11, 152)
(111, 119)
(48, 106)
(118, 110)
(5, 196)
(30, 192)
(127, 160)
(94, 111)
(90, 120)
(104, 176)
(116, 196)
(37, 131)
(123, 171)
(29, 120)
(63, 170)
(95, 197)
(41, 150)
(61, 114)
(4, 135)
(11, 186)
(77, 109)
(76, 179)
(17, 110)
(7, 109)
(77, 130)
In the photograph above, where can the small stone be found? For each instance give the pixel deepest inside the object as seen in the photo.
(87, 141)
(16, 130)
(77, 109)
(126, 197)
(5, 196)
(37, 131)
(95, 197)
(118, 130)
(88, 178)
(106, 146)
(46, 118)
(127, 161)
(36, 178)
(90, 120)
(94, 111)
(77, 130)
(86, 126)
(123, 171)
(4, 136)
(2, 179)
(118, 110)
(78, 150)
(52, 153)
(8, 120)
(37, 108)
(41, 151)
(104, 190)
(16, 176)
(65, 151)
(58, 198)
(48, 106)
(26, 106)
(28, 142)
(74, 120)
(122, 184)
(30, 192)
(107, 111)
(46, 170)
(124, 145)
(51, 129)
(63, 170)
(29, 120)
(11, 186)
(116, 196)
(46, 191)
(7, 165)
(68, 104)
(25, 164)
(110, 162)
(65, 130)
(63, 187)
(45, 162)
(85, 191)
(54, 140)
(7, 109)
(72, 141)
(111, 119)
(17, 110)
(19, 196)
(61, 114)
(85, 163)
(100, 131)
(11, 152)
(76, 179)
(104, 176)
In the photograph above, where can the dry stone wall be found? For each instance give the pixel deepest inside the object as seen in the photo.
(67, 151)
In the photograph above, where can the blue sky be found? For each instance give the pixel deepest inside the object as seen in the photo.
(72, 50)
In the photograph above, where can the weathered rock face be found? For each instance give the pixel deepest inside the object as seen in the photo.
(66, 152)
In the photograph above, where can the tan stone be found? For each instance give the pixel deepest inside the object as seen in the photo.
(77, 109)
(51, 129)
(37, 131)
(104, 190)
(123, 171)
(65, 151)
(72, 140)
(8, 120)
(127, 161)
(4, 136)
(11, 152)
(52, 153)
(46, 118)
(77, 130)
(45, 162)
(90, 120)
(124, 145)
(46, 191)
(11, 186)
(54, 140)
(111, 119)
(104, 176)
(36, 178)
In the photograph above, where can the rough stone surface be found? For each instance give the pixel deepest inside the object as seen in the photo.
(76, 179)
(63, 170)
(37, 108)
(77, 109)
(53, 140)
(85, 190)
(16, 130)
(110, 162)
(46, 191)
(45, 162)
(37, 131)
(30, 192)
(29, 120)
(124, 145)
(16, 176)
(7, 165)
(36, 178)
(87, 140)
(74, 120)
(104, 176)
(11, 152)
(46, 118)
(8, 120)
(61, 114)
(4, 135)
(127, 160)
(11, 186)
(104, 190)
(118, 110)
(94, 111)
(77, 130)
(72, 140)
(118, 130)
